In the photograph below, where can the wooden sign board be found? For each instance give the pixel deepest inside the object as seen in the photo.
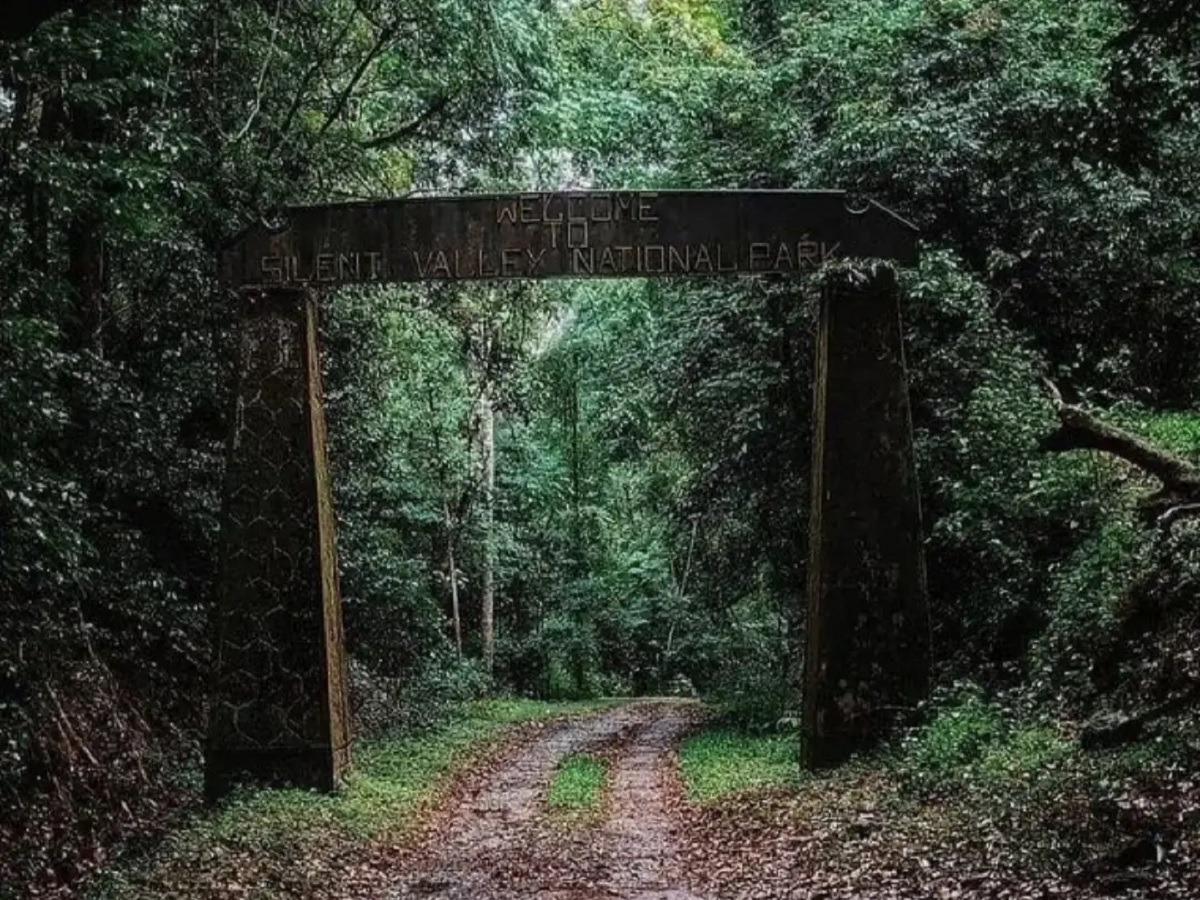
(578, 234)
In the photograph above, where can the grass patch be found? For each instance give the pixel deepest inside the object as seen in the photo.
(576, 792)
(719, 762)
(578, 783)
(393, 780)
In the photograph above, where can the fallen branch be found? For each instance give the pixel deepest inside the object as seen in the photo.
(1110, 731)
(1080, 430)
(1175, 513)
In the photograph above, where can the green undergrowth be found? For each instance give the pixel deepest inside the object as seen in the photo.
(577, 790)
(721, 761)
(988, 768)
(1177, 432)
(974, 741)
(393, 779)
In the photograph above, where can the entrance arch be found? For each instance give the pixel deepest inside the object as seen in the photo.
(280, 707)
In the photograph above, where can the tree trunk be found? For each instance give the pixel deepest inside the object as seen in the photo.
(451, 563)
(487, 444)
(86, 263)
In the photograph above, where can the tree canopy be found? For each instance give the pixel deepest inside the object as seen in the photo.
(615, 474)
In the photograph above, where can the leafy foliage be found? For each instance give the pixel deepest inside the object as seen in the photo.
(647, 524)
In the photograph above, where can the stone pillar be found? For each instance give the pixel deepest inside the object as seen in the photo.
(868, 654)
(279, 712)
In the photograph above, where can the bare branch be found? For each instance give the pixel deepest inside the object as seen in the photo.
(256, 107)
(382, 40)
(1055, 394)
(412, 126)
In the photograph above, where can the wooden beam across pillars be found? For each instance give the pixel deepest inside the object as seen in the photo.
(868, 655)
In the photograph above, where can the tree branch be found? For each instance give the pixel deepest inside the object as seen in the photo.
(1175, 513)
(382, 40)
(411, 127)
(1080, 430)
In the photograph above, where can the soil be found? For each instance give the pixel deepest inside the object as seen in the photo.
(499, 842)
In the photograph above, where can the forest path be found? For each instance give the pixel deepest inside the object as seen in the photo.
(499, 843)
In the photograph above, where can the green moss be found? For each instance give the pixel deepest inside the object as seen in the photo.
(720, 762)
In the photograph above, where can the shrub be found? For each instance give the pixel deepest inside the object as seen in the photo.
(973, 740)
(959, 735)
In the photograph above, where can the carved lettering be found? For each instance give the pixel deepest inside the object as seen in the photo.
(577, 234)
(645, 210)
(583, 259)
(783, 259)
(535, 260)
(528, 210)
(608, 233)
(484, 271)
(510, 261)
(655, 266)
(809, 253)
(677, 262)
(376, 265)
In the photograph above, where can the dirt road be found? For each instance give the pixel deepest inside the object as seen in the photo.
(499, 844)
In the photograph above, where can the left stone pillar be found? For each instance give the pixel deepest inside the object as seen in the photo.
(279, 712)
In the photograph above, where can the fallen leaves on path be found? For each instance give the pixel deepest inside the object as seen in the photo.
(859, 834)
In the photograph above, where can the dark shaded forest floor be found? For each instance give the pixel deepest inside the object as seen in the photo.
(860, 832)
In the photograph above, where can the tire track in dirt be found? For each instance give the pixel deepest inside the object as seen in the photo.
(500, 846)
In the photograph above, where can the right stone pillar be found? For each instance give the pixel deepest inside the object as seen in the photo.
(868, 649)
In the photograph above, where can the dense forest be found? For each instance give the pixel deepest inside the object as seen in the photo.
(574, 489)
